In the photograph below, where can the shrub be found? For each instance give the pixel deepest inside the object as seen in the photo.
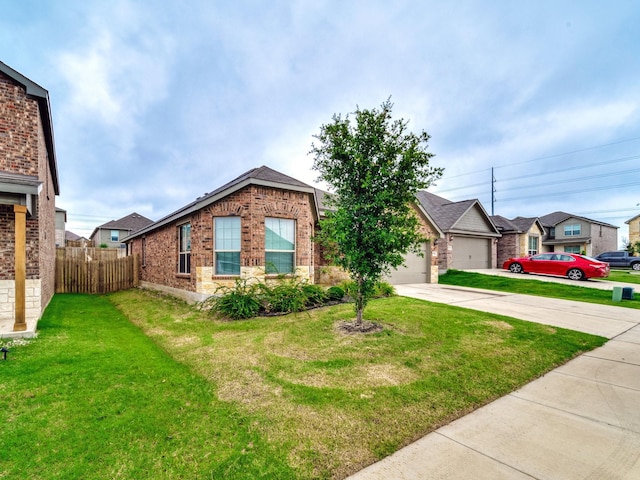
(335, 293)
(286, 296)
(237, 302)
(384, 289)
(315, 294)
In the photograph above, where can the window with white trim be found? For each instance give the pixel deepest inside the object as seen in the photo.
(280, 240)
(533, 245)
(115, 235)
(184, 248)
(572, 248)
(572, 230)
(227, 245)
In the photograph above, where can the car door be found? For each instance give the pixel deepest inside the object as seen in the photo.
(540, 263)
(563, 263)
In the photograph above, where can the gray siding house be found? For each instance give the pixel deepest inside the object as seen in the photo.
(575, 234)
(112, 233)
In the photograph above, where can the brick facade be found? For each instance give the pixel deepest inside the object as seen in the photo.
(252, 204)
(24, 151)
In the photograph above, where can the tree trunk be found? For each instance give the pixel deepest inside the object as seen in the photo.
(359, 316)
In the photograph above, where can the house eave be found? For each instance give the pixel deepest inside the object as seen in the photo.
(564, 241)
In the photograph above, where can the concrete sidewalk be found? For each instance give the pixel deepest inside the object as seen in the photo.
(580, 421)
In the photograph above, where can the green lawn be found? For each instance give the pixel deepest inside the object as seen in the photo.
(626, 276)
(536, 287)
(139, 385)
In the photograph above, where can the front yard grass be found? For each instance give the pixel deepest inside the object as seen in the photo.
(535, 287)
(141, 385)
(625, 276)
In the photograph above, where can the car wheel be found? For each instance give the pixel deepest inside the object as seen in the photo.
(575, 274)
(636, 266)
(515, 268)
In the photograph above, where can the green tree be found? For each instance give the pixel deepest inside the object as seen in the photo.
(374, 167)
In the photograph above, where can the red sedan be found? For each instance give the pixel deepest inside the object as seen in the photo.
(571, 265)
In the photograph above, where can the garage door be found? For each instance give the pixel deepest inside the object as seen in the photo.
(416, 269)
(471, 253)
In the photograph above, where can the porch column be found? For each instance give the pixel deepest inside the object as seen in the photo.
(20, 212)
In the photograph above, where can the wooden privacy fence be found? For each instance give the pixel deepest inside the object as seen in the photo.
(78, 274)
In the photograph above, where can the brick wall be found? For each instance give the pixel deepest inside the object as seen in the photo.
(508, 246)
(19, 120)
(253, 204)
(23, 151)
(46, 227)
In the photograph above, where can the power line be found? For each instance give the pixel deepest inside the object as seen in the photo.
(552, 156)
(550, 172)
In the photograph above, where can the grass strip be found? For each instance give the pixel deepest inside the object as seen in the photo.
(534, 287)
(93, 397)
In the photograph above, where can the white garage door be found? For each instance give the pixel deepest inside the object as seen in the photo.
(471, 253)
(416, 269)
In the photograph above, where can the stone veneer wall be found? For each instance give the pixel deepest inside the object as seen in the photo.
(33, 310)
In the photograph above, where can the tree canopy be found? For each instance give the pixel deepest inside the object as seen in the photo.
(374, 167)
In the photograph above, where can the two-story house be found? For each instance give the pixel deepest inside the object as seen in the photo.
(28, 186)
(112, 233)
(575, 234)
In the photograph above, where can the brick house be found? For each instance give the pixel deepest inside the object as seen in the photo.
(521, 236)
(258, 225)
(28, 186)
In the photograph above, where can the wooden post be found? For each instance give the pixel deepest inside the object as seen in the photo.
(20, 212)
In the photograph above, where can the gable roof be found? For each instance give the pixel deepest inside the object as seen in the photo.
(131, 223)
(516, 225)
(263, 176)
(632, 219)
(447, 215)
(41, 96)
(553, 219)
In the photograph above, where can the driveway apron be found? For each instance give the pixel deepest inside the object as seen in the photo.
(579, 421)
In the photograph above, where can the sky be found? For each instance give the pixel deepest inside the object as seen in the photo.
(156, 102)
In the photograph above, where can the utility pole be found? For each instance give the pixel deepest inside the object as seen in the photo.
(493, 192)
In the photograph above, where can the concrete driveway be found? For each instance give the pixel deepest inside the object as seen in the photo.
(592, 318)
(580, 421)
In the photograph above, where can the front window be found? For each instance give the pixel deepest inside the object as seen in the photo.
(280, 237)
(184, 249)
(115, 235)
(572, 230)
(227, 245)
(533, 245)
(572, 248)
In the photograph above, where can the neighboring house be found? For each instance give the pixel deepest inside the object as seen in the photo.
(520, 237)
(73, 240)
(419, 267)
(112, 233)
(61, 225)
(634, 229)
(575, 234)
(28, 186)
(259, 225)
(468, 238)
